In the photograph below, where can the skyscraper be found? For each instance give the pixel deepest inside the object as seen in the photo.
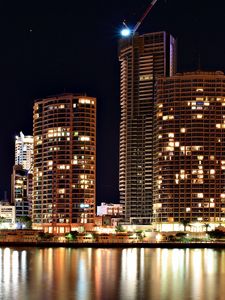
(143, 59)
(64, 162)
(21, 179)
(190, 150)
(21, 191)
(24, 151)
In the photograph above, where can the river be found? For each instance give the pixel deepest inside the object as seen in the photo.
(111, 274)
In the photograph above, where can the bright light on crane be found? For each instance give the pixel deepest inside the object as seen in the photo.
(125, 32)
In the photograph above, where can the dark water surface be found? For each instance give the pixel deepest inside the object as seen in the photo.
(111, 274)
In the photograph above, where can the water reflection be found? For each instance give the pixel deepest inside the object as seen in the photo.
(83, 274)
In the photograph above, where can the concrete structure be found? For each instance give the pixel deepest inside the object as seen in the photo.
(189, 169)
(24, 151)
(143, 59)
(109, 209)
(21, 191)
(64, 162)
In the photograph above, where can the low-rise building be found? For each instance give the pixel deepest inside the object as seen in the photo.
(7, 215)
(110, 209)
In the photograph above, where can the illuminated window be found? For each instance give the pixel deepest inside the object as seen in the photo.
(197, 148)
(145, 77)
(200, 195)
(188, 209)
(169, 149)
(183, 130)
(84, 101)
(171, 134)
(61, 191)
(169, 117)
(63, 167)
(84, 138)
(159, 114)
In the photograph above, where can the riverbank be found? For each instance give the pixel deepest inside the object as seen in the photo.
(170, 245)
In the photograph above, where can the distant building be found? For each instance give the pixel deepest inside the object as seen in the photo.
(21, 191)
(110, 209)
(142, 60)
(24, 151)
(189, 169)
(64, 162)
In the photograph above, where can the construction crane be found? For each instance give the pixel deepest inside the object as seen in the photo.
(126, 31)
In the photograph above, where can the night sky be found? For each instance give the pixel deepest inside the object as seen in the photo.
(71, 46)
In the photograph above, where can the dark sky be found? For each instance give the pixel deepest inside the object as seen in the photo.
(51, 47)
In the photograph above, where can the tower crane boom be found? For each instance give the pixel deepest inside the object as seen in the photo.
(144, 16)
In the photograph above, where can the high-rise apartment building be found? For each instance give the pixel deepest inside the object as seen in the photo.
(21, 191)
(143, 59)
(21, 179)
(24, 151)
(64, 162)
(190, 149)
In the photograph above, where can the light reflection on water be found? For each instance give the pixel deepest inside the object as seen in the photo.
(126, 274)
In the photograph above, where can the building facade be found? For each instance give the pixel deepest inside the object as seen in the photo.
(24, 151)
(143, 59)
(64, 162)
(189, 169)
